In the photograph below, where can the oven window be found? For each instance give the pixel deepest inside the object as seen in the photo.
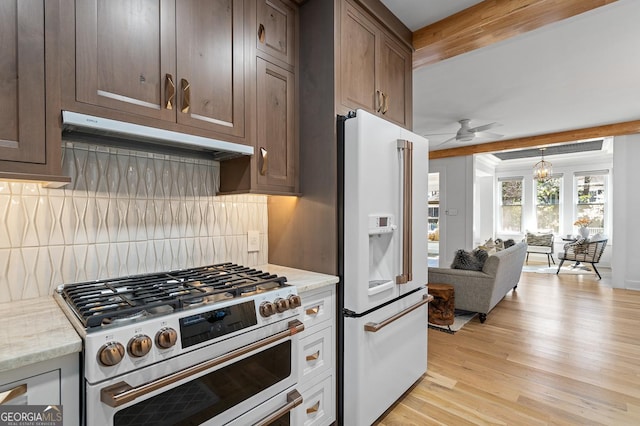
(205, 397)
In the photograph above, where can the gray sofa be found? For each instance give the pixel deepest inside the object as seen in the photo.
(480, 291)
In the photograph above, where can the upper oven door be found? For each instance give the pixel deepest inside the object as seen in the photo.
(197, 388)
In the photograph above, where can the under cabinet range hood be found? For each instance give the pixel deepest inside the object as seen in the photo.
(104, 127)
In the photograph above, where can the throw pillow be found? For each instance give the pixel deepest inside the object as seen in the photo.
(465, 260)
(481, 256)
(597, 237)
(508, 243)
(539, 239)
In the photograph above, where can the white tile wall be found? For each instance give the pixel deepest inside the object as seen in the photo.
(125, 212)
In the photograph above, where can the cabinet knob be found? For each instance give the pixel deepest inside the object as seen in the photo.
(314, 408)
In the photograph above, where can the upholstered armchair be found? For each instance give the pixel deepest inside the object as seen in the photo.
(587, 251)
(540, 243)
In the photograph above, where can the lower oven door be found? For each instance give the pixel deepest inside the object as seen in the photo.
(206, 391)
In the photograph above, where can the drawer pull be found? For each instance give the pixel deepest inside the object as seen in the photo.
(313, 311)
(261, 33)
(170, 91)
(314, 408)
(264, 168)
(314, 356)
(12, 394)
(186, 95)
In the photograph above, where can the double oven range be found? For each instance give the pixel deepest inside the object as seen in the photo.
(209, 345)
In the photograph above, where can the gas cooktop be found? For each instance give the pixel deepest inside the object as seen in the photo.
(122, 300)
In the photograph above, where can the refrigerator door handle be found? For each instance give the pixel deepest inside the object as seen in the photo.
(377, 326)
(407, 208)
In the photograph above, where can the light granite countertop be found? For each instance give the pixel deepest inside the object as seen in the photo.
(34, 330)
(303, 280)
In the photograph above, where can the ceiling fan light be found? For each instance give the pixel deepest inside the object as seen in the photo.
(466, 138)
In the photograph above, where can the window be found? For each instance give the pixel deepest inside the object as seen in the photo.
(548, 203)
(511, 205)
(592, 196)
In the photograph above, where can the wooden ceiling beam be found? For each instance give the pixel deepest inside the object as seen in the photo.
(489, 22)
(618, 129)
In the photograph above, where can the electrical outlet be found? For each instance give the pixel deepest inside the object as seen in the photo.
(253, 241)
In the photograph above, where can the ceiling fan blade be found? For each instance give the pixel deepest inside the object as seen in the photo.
(439, 134)
(447, 141)
(484, 127)
(488, 135)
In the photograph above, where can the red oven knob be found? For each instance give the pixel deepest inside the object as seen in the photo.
(110, 354)
(294, 301)
(267, 309)
(139, 345)
(281, 304)
(166, 337)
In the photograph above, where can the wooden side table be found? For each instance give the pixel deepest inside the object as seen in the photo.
(442, 307)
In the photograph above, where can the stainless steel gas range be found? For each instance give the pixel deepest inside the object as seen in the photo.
(209, 345)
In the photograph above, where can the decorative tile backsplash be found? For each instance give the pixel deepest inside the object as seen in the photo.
(125, 212)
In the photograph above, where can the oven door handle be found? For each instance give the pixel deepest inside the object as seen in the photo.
(377, 326)
(293, 400)
(121, 393)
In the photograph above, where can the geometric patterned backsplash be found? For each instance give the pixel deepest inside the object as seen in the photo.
(125, 212)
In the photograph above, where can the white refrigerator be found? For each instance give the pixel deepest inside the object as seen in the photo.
(383, 264)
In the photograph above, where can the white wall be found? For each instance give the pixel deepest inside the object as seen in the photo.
(484, 206)
(626, 195)
(456, 205)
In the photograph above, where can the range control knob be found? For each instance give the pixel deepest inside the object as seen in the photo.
(294, 301)
(111, 353)
(139, 345)
(166, 337)
(281, 304)
(267, 309)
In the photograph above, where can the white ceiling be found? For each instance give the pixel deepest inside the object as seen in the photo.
(580, 72)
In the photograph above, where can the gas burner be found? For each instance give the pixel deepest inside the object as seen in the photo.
(124, 318)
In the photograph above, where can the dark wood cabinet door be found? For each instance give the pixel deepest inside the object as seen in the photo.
(276, 128)
(125, 55)
(210, 65)
(275, 30)
(395, 82)
(22, 81)
(358, 57)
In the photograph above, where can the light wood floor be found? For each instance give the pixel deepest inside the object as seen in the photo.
(560, 350)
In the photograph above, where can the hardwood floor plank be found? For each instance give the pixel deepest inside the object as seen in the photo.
(559, 350)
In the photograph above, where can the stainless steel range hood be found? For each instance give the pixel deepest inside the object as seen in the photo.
(120, 130)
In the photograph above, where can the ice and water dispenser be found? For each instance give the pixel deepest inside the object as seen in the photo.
(382, 261)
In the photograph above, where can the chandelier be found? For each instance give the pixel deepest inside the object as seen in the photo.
(542, 170)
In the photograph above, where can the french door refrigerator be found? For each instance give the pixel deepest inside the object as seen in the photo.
(382, 263)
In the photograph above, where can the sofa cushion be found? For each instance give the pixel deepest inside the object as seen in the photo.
(470, 261)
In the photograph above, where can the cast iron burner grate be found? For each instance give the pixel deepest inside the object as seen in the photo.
(106, 301)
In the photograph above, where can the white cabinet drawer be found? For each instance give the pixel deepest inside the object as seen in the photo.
(317, 308)
(316, 355)
(318, 406)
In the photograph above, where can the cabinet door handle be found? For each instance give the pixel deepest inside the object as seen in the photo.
(264, 160)
(314, 408)
(169, 91)
(261, 33)
(12, 394)
(378, 100)
(313, 311)
(186, 95)
(385, 103)
(313, 356)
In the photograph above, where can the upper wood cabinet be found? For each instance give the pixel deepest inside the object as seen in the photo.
(375, 70)
(29, 133)
(275, 31)
(175, 61)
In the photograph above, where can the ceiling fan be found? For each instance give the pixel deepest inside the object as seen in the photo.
(467, 133)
